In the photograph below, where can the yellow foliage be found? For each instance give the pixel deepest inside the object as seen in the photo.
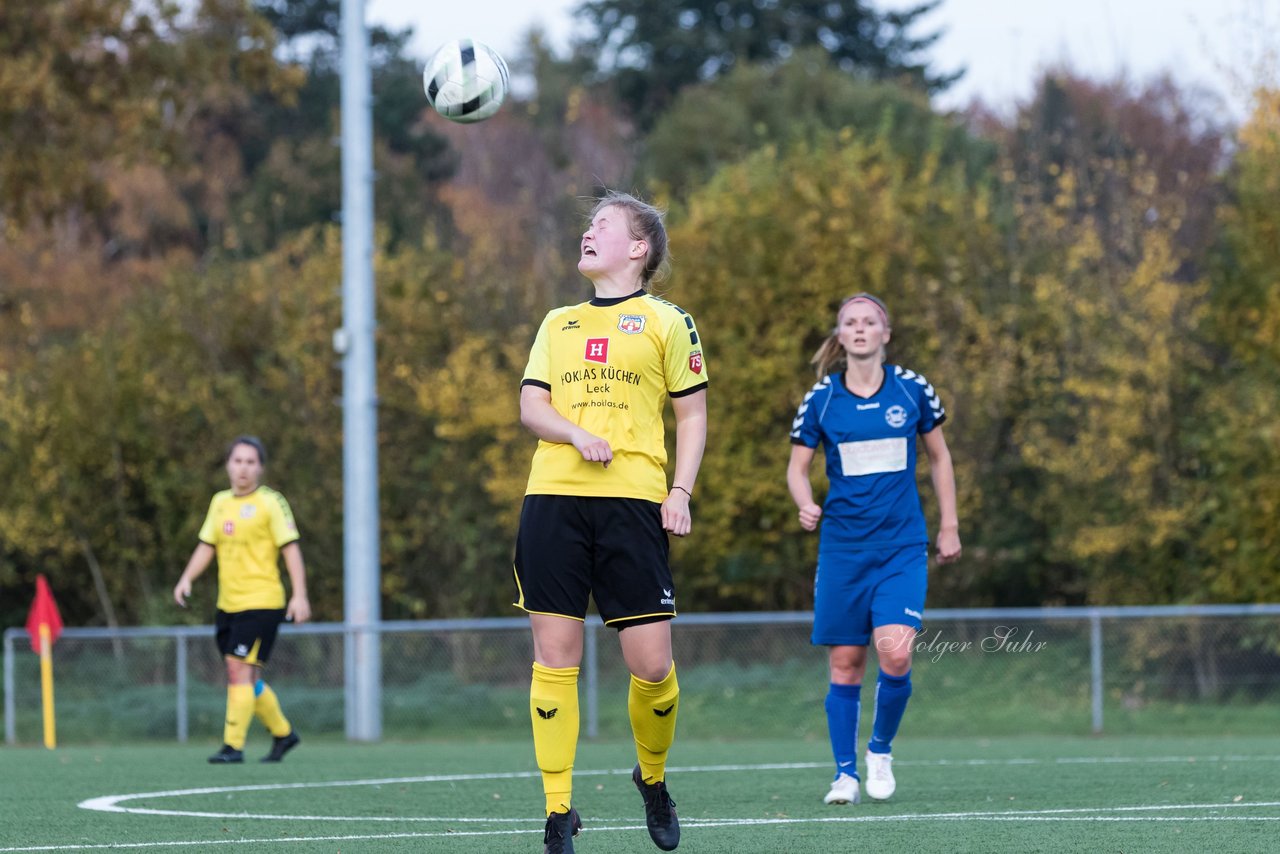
(1241, 446)
(766, 252)
(1108, 362)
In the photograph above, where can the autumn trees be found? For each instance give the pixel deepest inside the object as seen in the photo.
(1090, 282)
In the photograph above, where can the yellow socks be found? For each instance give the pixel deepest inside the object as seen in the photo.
(652, 707)
(553, 707)
(239, 715)
(266, 705)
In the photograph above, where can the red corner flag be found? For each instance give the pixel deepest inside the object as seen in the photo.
(43, 611)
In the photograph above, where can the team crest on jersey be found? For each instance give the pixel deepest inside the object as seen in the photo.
(695, 362)
(632, 324)
(247, 511)
(597, 350)
(895, 415)
(228, 527)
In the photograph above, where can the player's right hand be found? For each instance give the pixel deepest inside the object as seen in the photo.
(299, 609)
(809, 516)
(593, 448)
(181, 591)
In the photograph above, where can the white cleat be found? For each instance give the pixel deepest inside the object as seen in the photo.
(880, 782)
(844, 790)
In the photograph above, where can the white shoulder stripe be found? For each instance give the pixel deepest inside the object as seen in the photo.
(798, 421)
(930, 393)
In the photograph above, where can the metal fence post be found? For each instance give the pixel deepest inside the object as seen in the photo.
(10, 725)
(180, 668)
(1095, 667)
(592, 681)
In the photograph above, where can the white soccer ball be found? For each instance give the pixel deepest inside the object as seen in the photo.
(466, 81)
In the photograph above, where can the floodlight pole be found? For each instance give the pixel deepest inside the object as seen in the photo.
(361, 554)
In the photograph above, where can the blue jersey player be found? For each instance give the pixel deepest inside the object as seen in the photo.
(873, 548)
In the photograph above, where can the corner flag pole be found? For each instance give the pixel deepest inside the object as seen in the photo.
(46, 686)
(44, 624)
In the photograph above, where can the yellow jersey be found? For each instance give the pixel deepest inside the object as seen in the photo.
(248, 532)
(610, 365)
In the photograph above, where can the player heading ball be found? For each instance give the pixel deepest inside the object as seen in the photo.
(597, 510)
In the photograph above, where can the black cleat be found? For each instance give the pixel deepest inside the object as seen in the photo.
(281, 745)
(659, 812)
(561, 828)
(226, 756)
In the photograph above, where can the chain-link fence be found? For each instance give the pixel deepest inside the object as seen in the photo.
(1209, 669)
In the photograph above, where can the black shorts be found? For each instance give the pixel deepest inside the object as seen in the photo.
(571, 547)
(248, 635)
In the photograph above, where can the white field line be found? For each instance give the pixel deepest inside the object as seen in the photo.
(111, 803)
(1006, 816)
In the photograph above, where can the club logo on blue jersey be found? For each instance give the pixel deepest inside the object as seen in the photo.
(896, 416)
(632, 324)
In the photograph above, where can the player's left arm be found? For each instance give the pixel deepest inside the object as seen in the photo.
(284, 533)
(944, 486)
(691, 441)
(299, 608)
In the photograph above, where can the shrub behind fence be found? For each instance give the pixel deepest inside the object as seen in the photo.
(1183, 670)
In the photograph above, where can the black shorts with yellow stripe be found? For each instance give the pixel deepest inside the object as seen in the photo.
(248, 635)
(570, 548)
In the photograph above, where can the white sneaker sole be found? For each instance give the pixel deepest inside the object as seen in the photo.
(876, 788)
(844, 797)
(884, 796)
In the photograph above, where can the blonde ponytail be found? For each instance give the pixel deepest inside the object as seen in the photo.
(829, 355)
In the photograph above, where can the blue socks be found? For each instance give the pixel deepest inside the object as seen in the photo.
(892, 693)
(843, 707)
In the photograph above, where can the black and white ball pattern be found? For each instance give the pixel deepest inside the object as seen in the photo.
(466, 81)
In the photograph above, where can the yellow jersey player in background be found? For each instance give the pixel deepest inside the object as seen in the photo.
(248, 527)
(597, 510)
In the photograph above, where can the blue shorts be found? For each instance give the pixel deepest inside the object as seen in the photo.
(857, 591)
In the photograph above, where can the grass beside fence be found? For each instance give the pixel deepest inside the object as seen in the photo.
(960, 695)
